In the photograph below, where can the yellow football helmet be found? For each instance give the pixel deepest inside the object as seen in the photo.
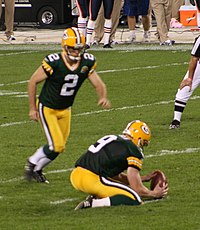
(73, 43)
(138, 132)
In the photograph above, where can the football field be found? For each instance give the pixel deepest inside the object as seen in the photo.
(142, 81)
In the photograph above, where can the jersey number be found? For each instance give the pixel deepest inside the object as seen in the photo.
(68, 88)
(101, 143)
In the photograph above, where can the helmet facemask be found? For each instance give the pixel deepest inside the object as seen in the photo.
(73, 43)
(74, 54)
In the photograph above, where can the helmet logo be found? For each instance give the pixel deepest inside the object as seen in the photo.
(145, 129)
(65, 36)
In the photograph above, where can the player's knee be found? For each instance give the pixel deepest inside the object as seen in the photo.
(59, 148)
(51, 154)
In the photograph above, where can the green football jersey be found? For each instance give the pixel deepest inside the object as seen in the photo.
(63, 83)
(111, 155)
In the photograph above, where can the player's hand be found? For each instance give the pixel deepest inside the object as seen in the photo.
(34, 115)
(149, 176)
(186, 82)
(161, 191)
(105, 103)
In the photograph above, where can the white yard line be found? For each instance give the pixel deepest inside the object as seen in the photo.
(158, 154)
(14, 83)
(63, 201)
(14, 123)
(18, 53)
(142, 67)
(112, 71)
(104, 111)
(8, 93)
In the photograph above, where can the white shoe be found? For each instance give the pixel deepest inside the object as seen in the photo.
(113, 42)
(167, 43)
(11, 38)
(131, 39)
(146, 36)
(95, 43)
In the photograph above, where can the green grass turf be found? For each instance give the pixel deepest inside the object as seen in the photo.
(141, 83)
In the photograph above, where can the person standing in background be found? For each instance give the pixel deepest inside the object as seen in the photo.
(83, 10)
(163, 11)
(134, 8)
(175, 20)
(99, 26)
(94, 8)
(9, 18)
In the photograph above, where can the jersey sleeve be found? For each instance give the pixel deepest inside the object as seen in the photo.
(196, 48)
(49, 63)
(89, 60)
(92, 69)
(134, 162)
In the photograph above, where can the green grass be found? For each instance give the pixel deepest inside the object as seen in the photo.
(141, 83)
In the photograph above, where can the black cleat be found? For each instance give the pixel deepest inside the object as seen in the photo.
(87, 47)
(40, 177)
(167, 43)
(87, 203)
(174, 125)
(107, 46)
(29, 174)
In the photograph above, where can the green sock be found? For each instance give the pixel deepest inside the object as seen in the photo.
(122, 200)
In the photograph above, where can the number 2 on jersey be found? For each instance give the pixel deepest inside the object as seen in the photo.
(68, 87)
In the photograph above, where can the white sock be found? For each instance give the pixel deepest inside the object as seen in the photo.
(39, 154)
(177, 115)
(82, 24)
(107, 30)
(101, 202)
(42, 163)
(90, 29)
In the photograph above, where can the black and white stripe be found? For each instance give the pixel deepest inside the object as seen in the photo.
(196, 48)
(112, 183)
(45, 126)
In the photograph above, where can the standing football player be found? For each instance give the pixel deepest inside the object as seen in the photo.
(94, 8)
(63, 74)
(83, 11)
(100, 171)
(88, 12)
(190, 82)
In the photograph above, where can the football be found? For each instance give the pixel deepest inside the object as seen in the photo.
(159, 178)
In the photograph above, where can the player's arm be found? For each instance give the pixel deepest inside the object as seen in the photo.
(136, 184)
(122, 177)
(36, 78)
(101, 90)
(191, 69)
(148, 177)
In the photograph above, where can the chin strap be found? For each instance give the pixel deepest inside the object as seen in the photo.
(72, 58)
